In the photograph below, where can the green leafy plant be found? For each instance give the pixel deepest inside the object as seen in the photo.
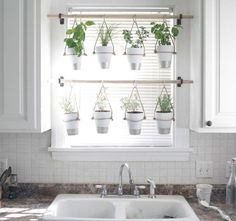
(131, 104)
(68, 105)
(76, 37)
(106, 33)
(165, 103)
(102, 100)
(138, 40)
(164, 34)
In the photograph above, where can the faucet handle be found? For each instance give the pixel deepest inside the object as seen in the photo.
(152, 188)
(103, 190)
(136, 190)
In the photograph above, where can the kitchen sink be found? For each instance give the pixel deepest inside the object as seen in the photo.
(72, 207)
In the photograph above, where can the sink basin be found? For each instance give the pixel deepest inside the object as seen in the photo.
(76, 207)
(84, 208)
(157, 209)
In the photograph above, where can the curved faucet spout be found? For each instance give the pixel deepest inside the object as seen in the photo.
(120, 188)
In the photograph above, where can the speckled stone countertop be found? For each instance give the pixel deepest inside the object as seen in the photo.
(33, 199)
(31, 209)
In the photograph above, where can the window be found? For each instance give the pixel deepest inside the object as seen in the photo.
(118, 134)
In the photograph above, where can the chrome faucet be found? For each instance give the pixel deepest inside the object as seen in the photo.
(120, 187)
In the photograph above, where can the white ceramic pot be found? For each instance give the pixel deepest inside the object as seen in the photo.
(104, 54)
(71, 121)
(74, 59)
(164, 121)
(135, 57)
(102, 120)
(134, 120)
(165, 53)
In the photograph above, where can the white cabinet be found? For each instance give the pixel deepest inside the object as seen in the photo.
(24, 66)
(215, 101)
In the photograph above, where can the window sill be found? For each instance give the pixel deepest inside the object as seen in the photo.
(121, 154)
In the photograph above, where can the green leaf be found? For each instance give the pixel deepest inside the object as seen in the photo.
(175, 31)
(89, 23)
(69, 31)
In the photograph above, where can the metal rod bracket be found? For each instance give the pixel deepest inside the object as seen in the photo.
(179, 20)
(61, 19)
(181, 81)
(61, 81)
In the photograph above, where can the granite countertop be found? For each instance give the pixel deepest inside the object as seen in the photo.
(31, 209)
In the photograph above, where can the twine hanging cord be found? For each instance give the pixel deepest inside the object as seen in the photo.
(135, 88)
(138, 33)
(102, 91)
(104, 23)
(75, 103)
(172, 40)
(74, 24)
(164, 90)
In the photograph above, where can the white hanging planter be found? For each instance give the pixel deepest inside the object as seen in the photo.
(74, 59)
(102, 121)
(165, 53)
(71, 121)
(104, 54)
(135, 57)
(134, 120)
(164, 121)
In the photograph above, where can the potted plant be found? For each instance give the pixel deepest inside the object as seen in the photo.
(164, 115)
(136, 50)
(134, 115)
(75, 42)
(165, 37)
(71, 115)
(105, 51)
(102, 112)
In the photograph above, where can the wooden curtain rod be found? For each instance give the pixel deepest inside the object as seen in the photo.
(178, 82)
(124, 16)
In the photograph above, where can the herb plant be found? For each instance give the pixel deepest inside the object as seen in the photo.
(130, 104)
(102, 100)
(76, 37)
(105, 35)
(164, 34)
(68, 105)
(138, 40)
(165, 103)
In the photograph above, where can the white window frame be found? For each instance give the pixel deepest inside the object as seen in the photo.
(180, 151)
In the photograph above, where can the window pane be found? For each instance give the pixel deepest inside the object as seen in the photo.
(118, 134)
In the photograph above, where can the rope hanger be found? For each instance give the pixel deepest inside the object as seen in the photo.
(164, 91)
(104, 23)
(138, 33)
(172, 40)
(102, 91)
(66, 47)
(135, 89)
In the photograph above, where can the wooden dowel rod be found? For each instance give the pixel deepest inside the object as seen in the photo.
(123, 16)
(129, 81)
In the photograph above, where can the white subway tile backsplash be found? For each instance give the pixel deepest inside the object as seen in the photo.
(29, 158)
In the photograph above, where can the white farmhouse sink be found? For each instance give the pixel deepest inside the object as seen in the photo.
(72, 207)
